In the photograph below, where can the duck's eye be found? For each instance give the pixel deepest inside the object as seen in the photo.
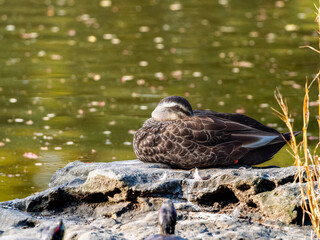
(176, 107)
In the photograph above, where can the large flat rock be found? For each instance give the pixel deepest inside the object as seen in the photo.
(119, 200)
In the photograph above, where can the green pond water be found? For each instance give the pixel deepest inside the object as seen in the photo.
(77, 78)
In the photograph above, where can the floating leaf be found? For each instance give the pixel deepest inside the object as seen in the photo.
(30, 155)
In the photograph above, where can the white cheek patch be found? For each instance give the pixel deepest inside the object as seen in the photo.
(165, 105)
(164, 112)
(164, 115)
(155, 113)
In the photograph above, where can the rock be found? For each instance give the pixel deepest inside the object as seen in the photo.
(282, 203)
(13, 218)
(120, 200)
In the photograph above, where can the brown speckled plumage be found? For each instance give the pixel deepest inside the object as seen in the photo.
(203, 138)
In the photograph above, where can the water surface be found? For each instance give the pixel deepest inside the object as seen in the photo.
(77, 78)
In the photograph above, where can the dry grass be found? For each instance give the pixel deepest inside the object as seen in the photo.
(307, 162)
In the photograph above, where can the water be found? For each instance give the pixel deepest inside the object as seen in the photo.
(77, 78)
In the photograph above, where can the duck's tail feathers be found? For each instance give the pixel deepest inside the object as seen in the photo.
(284, 137)
(263, 154)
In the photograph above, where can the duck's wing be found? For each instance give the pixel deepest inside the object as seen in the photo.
(236, 117)
(213, 130)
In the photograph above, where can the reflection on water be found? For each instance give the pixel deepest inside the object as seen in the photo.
(79, 77)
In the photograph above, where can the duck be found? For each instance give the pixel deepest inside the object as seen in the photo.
(167, 216)
(54, 233)
(184, 138)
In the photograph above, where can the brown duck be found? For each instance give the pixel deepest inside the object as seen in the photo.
(186, 138)
(167, 221)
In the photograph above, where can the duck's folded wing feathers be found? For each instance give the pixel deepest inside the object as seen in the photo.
(214, 130)
(236, 117)
(253, 140)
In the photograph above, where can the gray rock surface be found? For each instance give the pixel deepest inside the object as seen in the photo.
(120, 200)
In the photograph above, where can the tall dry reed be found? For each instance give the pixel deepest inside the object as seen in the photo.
(307, 162)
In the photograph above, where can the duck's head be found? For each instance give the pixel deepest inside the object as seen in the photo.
(172, 108)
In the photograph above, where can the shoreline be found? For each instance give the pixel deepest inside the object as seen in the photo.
(120, 200)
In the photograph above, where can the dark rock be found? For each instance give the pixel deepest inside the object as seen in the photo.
(120, 200)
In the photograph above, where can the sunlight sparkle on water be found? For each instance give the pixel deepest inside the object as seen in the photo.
(79, 78)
